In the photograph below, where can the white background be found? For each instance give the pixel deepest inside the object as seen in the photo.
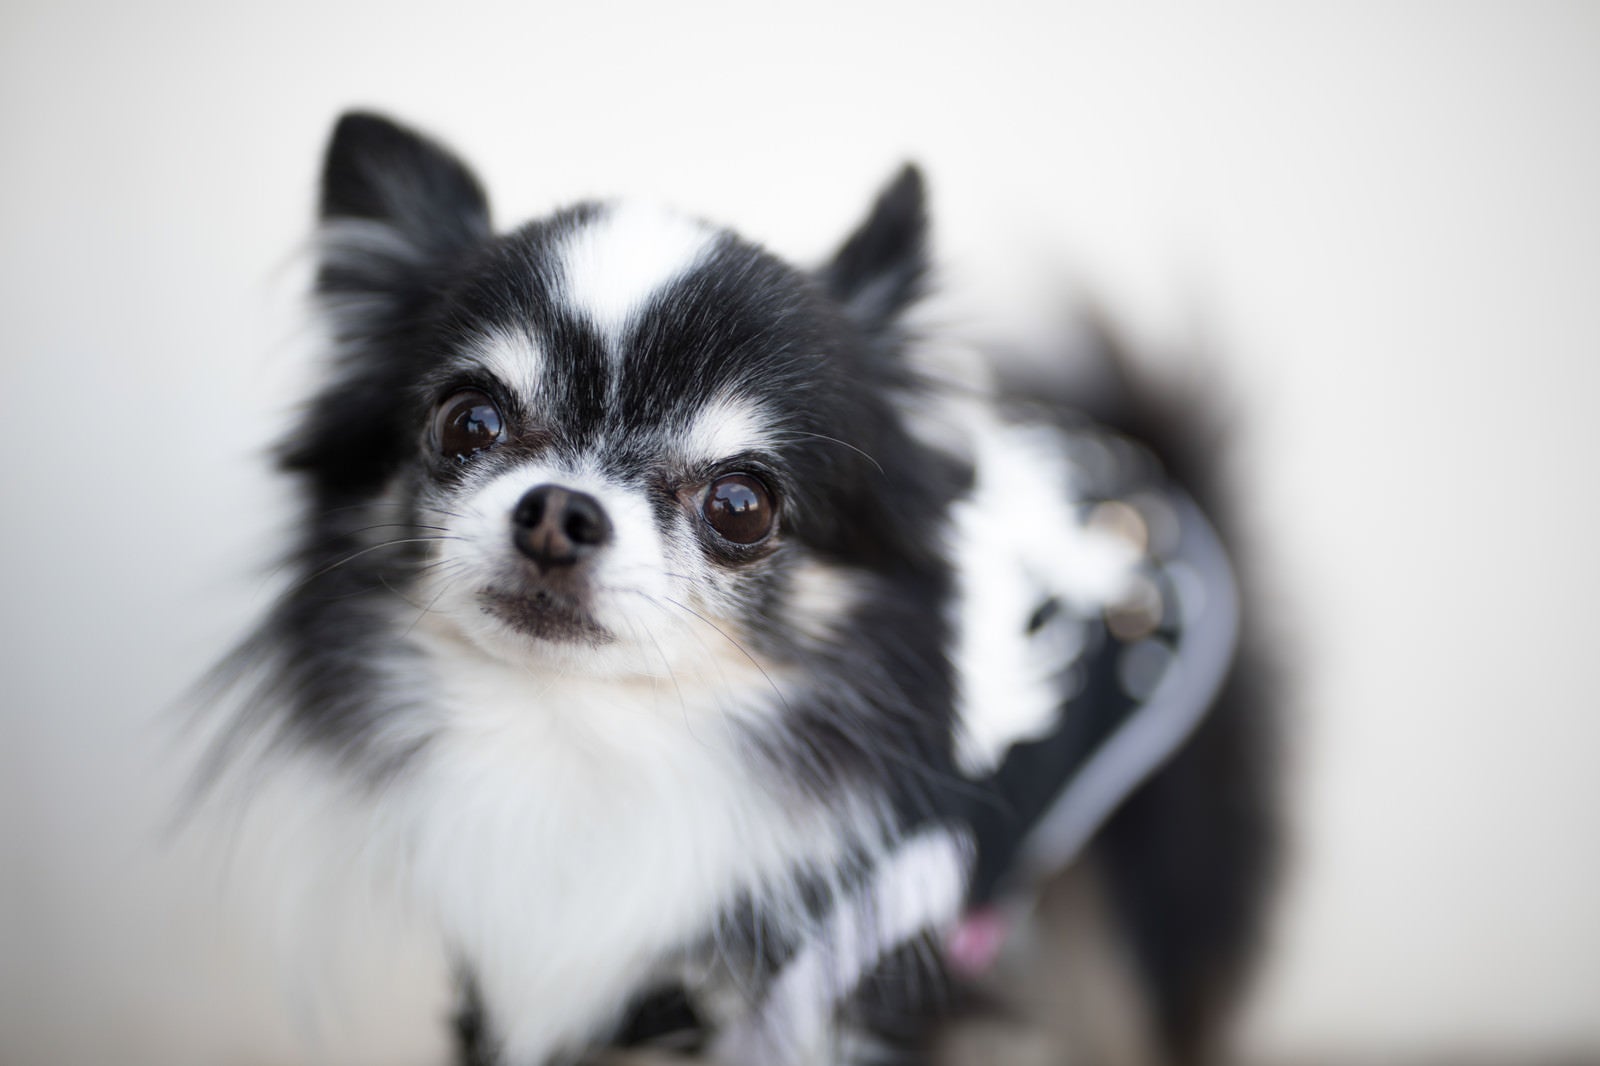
(1377, 227)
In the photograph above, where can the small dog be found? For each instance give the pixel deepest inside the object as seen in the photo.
(709, 670)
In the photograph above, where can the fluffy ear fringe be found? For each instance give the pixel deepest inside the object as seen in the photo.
(398, 212)
(393, 203)
(882, 267)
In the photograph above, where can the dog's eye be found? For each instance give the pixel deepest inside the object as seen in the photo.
(466, 423)
(739, 508)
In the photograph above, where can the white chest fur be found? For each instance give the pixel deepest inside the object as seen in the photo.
(569, 835)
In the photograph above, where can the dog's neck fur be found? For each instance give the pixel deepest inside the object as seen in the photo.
(572, 836)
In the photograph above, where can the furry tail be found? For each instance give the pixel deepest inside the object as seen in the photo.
(1189, 859)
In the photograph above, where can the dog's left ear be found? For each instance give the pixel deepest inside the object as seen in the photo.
(883, 266)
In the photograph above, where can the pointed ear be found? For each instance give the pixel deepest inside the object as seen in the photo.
(394, 203)
(398, 211)
(882, 267)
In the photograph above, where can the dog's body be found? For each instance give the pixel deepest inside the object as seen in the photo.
(683, 643)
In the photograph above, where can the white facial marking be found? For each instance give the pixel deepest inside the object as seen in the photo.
(725, 427)
(667, 611)
(614, 264)
(513, 358)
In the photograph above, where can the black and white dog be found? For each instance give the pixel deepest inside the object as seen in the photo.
(697, 659)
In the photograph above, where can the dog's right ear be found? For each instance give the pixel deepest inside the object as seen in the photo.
(398, 214)
(394, 205)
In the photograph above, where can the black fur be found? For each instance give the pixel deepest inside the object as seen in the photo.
(412, 277)
(742, 320)
(1191, 859)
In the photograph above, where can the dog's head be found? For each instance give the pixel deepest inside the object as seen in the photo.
(597, 438)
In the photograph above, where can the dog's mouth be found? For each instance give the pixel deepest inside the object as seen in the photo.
(544, 615)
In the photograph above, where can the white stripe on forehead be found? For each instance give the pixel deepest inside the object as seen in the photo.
(613, 264)
(725, 427)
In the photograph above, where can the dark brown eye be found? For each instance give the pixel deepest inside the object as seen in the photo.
(467, 423)
(740, 509)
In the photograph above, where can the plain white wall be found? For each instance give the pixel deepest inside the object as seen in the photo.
(1380, 225)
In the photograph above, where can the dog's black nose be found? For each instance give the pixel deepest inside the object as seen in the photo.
(554, 526)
